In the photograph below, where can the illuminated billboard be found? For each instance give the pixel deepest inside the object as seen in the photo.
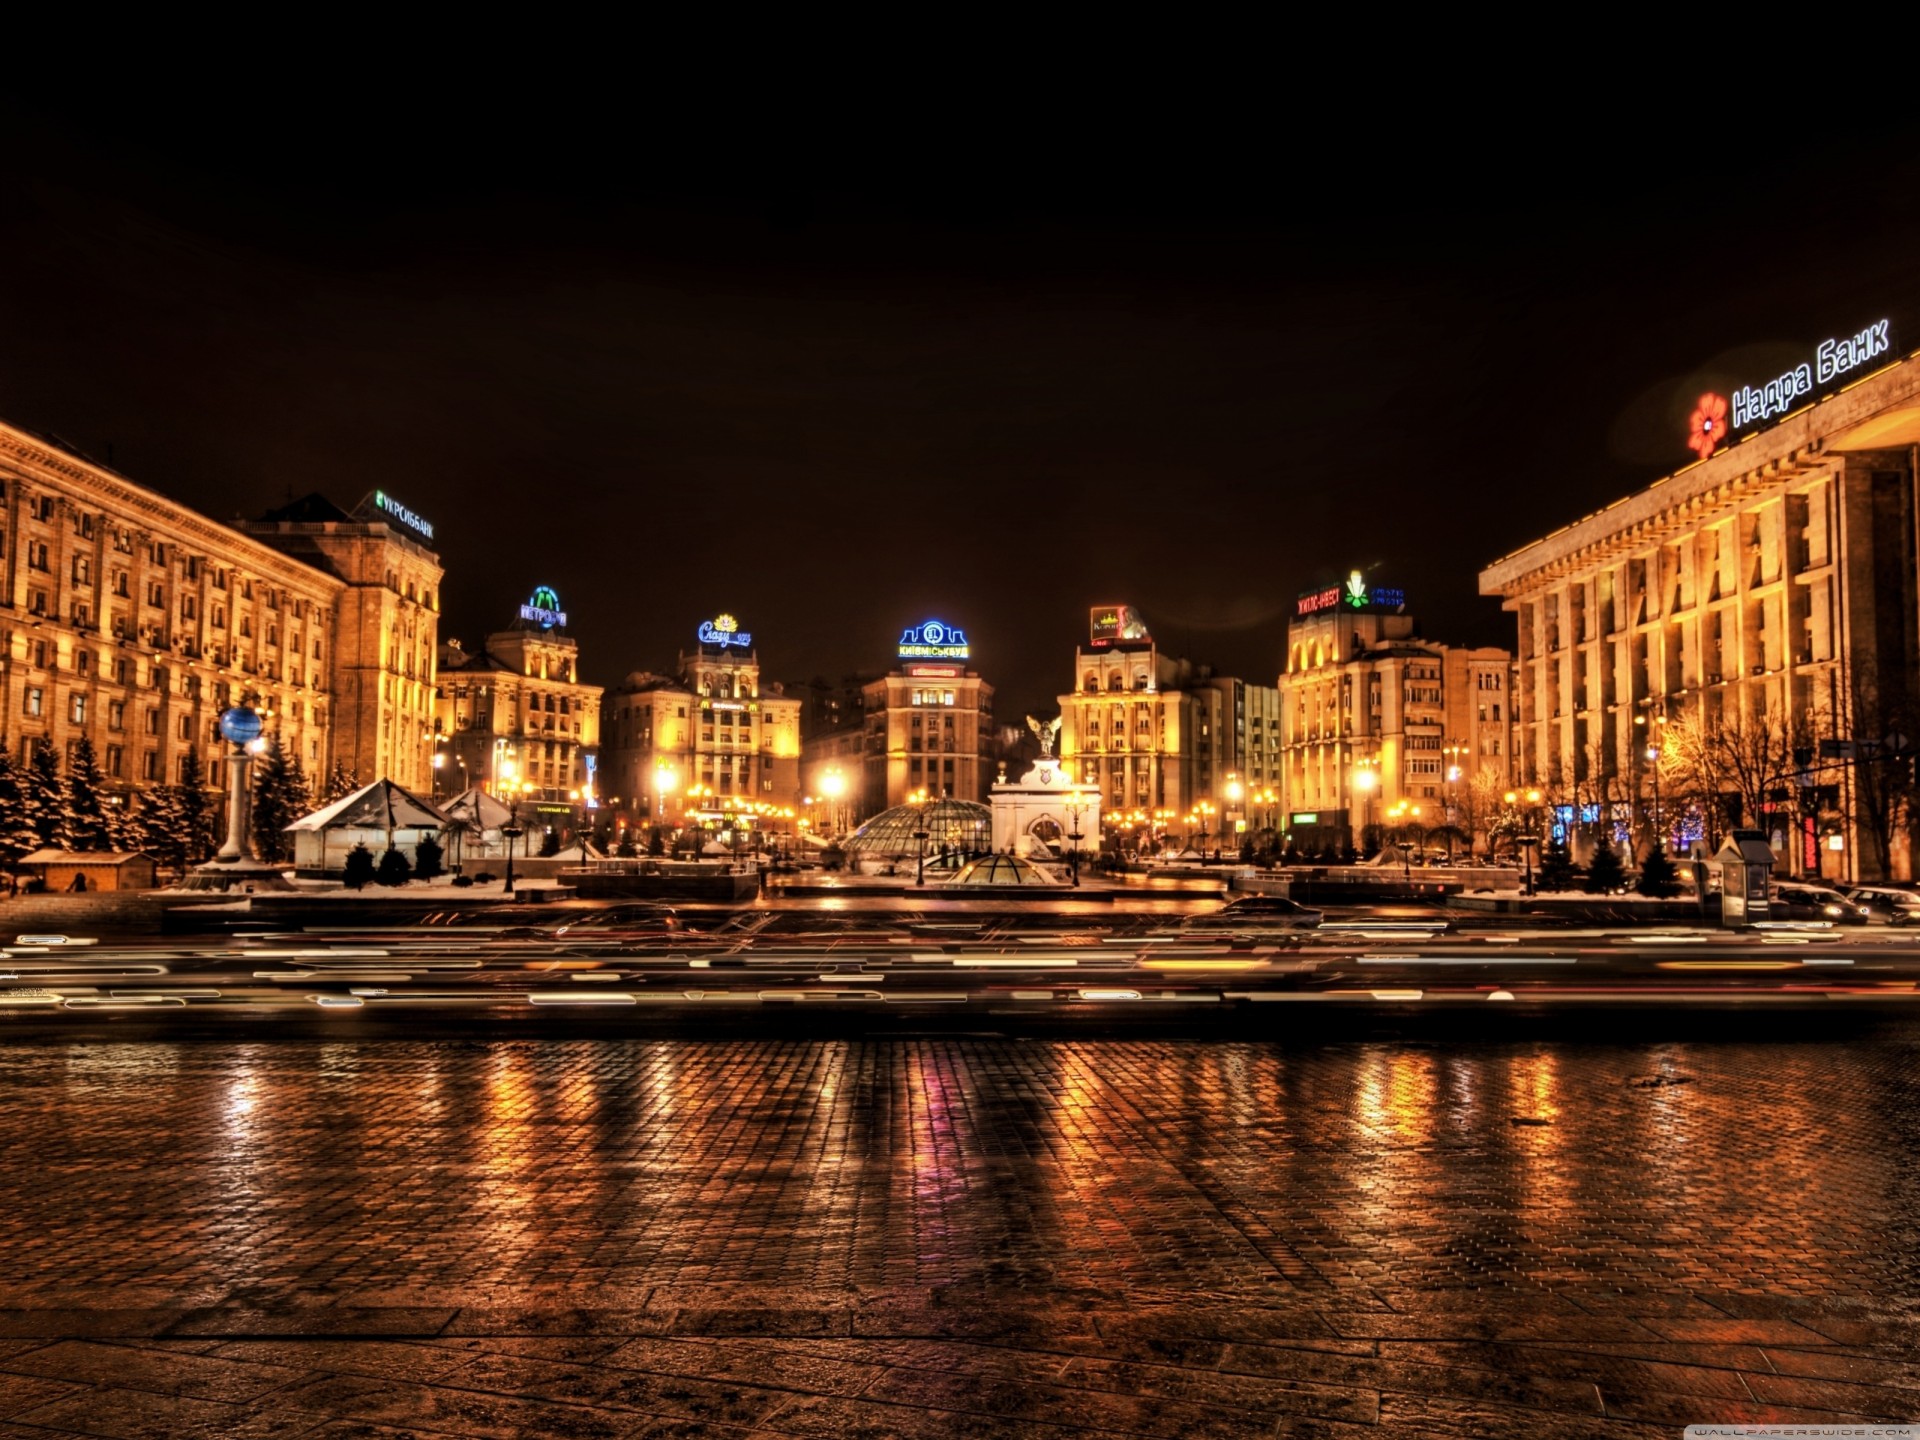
(1116, 624)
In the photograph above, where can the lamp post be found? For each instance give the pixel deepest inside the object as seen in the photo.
(833, 785)
(1365, 778)
(1075, 804)
(918, 799)
(512, 831)
(1456, 754)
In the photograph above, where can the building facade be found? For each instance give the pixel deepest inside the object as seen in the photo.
(1165, 740)
(1387, 735)
(929, 723)
(514, 718)
(134, 621)
(709, 743)
(387, 620)
(1759, 604)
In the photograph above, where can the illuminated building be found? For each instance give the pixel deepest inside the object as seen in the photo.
(134, 621)
(929, 723)
(1765, 590)
(1160, 734)
(514, 717)
(1384, 730)
(388, 622)
(709, 742)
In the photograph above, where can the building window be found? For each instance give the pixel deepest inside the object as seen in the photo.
(82, 571)
(116, 714)
(149, 765)
(153, 720)
(116, 761)
(79, 709)
(35, 697)
(186, 727)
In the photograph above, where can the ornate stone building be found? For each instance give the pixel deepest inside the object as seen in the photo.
(1766, 590)
(1386, 733)
(388, 622)
(707, 742)
(513, 716)
(134, 621)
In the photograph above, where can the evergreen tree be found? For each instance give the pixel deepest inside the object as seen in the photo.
(279, 798)
(44, 797)
(197, 809)
(550, 843)
(1658, 877)
(341, 782)
(162, 824)
(427, 858)
(1556, 866)
(394, 869)
(1605, 874)
(84, 821)
(359, 870)
(656, 841)
(18, 836)
(627, 850)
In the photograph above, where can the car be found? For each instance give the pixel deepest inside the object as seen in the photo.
(1887, 904)
(1813, 902)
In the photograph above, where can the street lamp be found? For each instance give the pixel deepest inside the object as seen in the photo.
(1365, 778)
(1235, 793)
(918, 799)
(833, 785)
(1075, 804)
(512, 831)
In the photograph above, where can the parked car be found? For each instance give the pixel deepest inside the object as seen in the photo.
(1887, 904)
(1813, 902)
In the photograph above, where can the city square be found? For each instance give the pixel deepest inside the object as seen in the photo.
(1198, 785)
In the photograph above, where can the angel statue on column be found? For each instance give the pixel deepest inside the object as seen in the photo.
(1048, 731)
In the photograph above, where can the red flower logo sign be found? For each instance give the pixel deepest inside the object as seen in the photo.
(1708, 427)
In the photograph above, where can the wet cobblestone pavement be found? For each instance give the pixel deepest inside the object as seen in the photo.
(956, 1235)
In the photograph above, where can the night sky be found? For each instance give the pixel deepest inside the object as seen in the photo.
(990, 379)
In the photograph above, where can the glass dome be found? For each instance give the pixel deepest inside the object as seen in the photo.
(961, 825)
(1003, 870)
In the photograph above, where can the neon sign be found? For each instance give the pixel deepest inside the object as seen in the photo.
(932, 640)
(1831, 360)
(387, 504)
(543, 609)
(1356, 594)
(724, 630)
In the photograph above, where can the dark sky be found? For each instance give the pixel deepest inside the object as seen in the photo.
(990, 378)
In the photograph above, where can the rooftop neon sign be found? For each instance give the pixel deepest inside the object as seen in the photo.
(543, 609)
(724, 630)
(1356, 594)
(932, 640)
(1831, 360)
(387, 504)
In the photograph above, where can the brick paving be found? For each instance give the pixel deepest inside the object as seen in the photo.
(955, 1236)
